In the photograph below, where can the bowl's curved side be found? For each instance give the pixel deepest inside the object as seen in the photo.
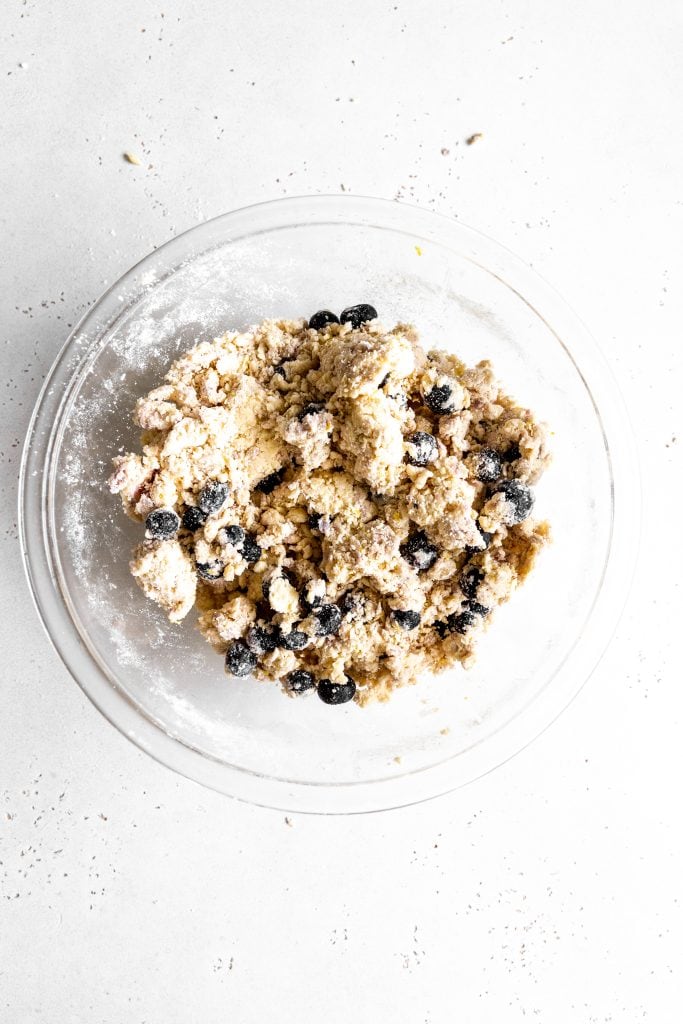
(40, 547)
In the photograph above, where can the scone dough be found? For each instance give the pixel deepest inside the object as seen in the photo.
(378, 501)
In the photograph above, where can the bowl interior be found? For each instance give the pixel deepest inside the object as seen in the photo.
(234, 276)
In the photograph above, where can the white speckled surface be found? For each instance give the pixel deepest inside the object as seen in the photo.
(550, 890)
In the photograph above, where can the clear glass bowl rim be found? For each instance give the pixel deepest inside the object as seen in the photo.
(37, 546)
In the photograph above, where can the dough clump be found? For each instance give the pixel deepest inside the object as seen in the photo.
(346, 504)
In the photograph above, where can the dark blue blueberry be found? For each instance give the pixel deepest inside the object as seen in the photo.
(419, 551)
(162, 524)
(470, 579)
(213, 497)
(519, 497)
(311, 409)
(210, 571)
(289, 575)
(336, 693)
(234, 535)
(350, 603)
(461, 622)
(358, 315)
(424, 448)
(294, 641)
(329, 619)
(251, 551)
(458, 622)
(407, 620)
(485, 541)
(488, 465)
(193, 518)
(270, 482)
(299, 681)
(440, 399)
(314, 521)
(263, 639)
(477, 609)
(239, 661)
(512, 453)
(321, 319)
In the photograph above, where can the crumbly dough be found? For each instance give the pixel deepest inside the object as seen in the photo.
(334, 498)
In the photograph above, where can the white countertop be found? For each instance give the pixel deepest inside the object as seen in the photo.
(549, 890)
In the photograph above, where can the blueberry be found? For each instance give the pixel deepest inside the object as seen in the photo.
(311, 409)
(407, 620)
(263, 639)
(213, 497)
(470, 579)
(512, 453)
(350, 603)
(329, 619)
(519, 497)
(488, 465)
(234, 535)
(440, 399)
(458, 622)
(270, 482)
(239, 661)
(289, 576)
(280, 369)
(477, 609)
(294, 641)
(299, 681)
(485, 541)
(424, 448)
(358, 315)
(193, 518)
(251, 551)
(321, 319)
(314, 521)
(419, 551)
(461, 622)
(210, 571)
(162, 523)
(336, 693)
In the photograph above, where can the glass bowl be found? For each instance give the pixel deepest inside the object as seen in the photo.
(161, 685)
